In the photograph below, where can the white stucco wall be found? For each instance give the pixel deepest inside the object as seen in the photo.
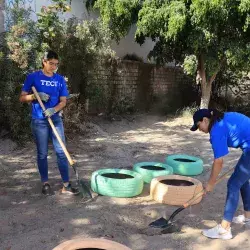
(127, 45)
(77, 8)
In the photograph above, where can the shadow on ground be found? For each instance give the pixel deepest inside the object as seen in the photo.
(30, 221)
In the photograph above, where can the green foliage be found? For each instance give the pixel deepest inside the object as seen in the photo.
(215, 32)
(95, 37)
(21, 41)
(244, 8)
(232, 91)
(18, 57)
(211, 28)
(133, 57)
(49, 24)
(188, 111)
(161, 19)
(97, 96)
(118, 14)
(125, 105)
(17, 13)
(80, 45)
(85, 47)
(190, 64)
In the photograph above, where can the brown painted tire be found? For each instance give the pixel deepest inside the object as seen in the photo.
(94, 243)
(174, 195)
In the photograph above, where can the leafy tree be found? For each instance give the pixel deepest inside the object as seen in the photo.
(203, 36)
(17, 57)
(85, 47)
(51, 27)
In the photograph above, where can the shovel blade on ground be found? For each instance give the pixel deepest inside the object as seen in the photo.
(84, 190)
(160, 223)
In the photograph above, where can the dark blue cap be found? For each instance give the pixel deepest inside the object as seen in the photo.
(199, 115)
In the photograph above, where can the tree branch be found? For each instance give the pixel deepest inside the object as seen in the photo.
(213, 76)
(201, 72)
(217, 71)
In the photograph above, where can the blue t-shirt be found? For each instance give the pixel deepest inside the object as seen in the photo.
(232, 131)
(55, 86)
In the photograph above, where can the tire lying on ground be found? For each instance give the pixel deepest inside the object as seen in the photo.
(185, 164)
(117, 182)
(150, 170)
(175, 189)
(97, 244)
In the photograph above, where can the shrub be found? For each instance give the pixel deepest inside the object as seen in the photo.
(132, 57)
(81, 45)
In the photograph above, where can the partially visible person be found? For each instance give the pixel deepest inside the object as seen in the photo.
(52, 89)
(226, 130)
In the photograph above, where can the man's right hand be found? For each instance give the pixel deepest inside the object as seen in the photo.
(44, 97)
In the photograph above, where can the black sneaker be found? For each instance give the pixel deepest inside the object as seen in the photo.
(70, 190)
(46, 189)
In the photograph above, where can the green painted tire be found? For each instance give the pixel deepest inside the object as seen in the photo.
(185, 164)
(149, 174)
(109, 182)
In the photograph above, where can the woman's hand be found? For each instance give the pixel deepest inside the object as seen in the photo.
(49, 112)
(43, 96)
(216, 169)
(209, 187)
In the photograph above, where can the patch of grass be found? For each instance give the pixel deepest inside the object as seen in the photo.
(187, 112)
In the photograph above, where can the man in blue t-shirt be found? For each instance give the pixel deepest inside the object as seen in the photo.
(52, 90)
(228, 129)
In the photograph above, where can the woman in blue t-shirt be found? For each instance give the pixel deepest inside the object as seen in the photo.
(52, 90)
(228, 129)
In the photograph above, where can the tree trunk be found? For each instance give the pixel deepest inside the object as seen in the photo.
(206, 94)
(206, 85)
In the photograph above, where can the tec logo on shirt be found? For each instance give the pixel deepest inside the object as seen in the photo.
(49, 83)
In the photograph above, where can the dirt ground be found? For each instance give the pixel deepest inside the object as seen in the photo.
(30, 221)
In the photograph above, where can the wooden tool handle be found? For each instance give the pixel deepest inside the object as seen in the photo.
(198, 195)
(71, 162)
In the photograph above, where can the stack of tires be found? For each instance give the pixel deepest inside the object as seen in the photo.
(129, 183)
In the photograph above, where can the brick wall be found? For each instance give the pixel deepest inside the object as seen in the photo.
(142, 85)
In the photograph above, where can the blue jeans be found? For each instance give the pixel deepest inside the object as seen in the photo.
(42, 133)
(238, 183)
